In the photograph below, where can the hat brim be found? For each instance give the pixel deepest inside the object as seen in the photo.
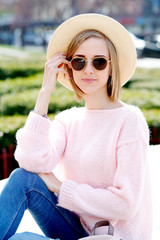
(112, 29)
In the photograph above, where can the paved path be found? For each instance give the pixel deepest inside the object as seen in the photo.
(148, 63)
(15, 52)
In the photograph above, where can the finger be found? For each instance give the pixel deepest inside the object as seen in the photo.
(57, 63)
(56, 58)
(63, 62)
(58, 55)
(62, 70)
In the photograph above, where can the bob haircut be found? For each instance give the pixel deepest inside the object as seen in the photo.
(113, 84)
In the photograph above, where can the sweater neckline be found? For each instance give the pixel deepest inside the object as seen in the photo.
(104, 110)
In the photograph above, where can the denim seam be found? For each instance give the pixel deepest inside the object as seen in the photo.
(7, 230)
(22, 202)
(55, 208)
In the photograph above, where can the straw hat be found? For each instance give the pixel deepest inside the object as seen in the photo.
(119, 36)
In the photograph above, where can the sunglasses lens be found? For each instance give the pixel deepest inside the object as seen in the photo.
(78, 63)
(99, 63)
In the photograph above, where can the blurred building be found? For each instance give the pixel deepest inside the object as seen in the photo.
(139, 15)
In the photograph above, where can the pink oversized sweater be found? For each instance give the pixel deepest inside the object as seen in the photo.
(103, 154)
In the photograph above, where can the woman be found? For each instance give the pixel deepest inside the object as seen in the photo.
(101, 148)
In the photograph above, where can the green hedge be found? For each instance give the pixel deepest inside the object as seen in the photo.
(9, 126)
(4, 74)
(23, 102)
(141, 74)
(152, 116)
(143, 98)
(20, 82)
(145, 84)
(20, 70)
(16, 67)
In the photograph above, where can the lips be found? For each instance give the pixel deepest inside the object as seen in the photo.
(88, 80)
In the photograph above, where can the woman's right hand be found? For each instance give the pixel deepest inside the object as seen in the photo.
(52, 68)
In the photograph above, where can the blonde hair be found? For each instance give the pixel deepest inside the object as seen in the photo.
(113, 84)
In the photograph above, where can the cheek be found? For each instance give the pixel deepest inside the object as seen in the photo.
(103, 76)
(76, 75)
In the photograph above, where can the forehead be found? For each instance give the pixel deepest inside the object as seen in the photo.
(93, 46)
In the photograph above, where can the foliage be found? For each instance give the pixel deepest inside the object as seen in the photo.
(21, 81)
(22, 102)
(19, 84)
(12, 67)
(9, 126)
(143, 98)
(152, 116)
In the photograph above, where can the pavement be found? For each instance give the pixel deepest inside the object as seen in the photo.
(13, 52)
(148, 62)
(26, 51)
(28, 223)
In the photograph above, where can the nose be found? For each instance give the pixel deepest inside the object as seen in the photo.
(88, 68)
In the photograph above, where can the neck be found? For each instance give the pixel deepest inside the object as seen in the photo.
(97, 101)
(100, 101)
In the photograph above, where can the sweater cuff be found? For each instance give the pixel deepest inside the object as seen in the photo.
(65, 198)
(37, 124)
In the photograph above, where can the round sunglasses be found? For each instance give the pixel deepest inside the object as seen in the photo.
(99, 63)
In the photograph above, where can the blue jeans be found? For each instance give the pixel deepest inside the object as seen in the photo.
(26, 190)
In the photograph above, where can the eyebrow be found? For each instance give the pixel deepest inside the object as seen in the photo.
(83, 56)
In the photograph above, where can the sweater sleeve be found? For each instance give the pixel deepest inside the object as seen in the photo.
(121, 200)
(40, 143)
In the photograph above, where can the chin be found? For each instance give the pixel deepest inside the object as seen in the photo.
(88, 92)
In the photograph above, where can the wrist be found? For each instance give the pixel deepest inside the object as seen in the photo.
(40, 113)
(58, 187)
(42, 103)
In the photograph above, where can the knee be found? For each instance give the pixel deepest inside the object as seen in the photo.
(18, 174)
(21, 177)
(18, 171)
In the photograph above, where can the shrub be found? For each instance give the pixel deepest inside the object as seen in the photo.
(18, 94)
(23, 102)
(4, 74)
(19, 97)
(17, 67)
(13, 86)
(152, 116)
(144, 78)
(143, 98)
(9, 126)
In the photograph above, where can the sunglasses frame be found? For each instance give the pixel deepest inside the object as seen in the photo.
(90, 60)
